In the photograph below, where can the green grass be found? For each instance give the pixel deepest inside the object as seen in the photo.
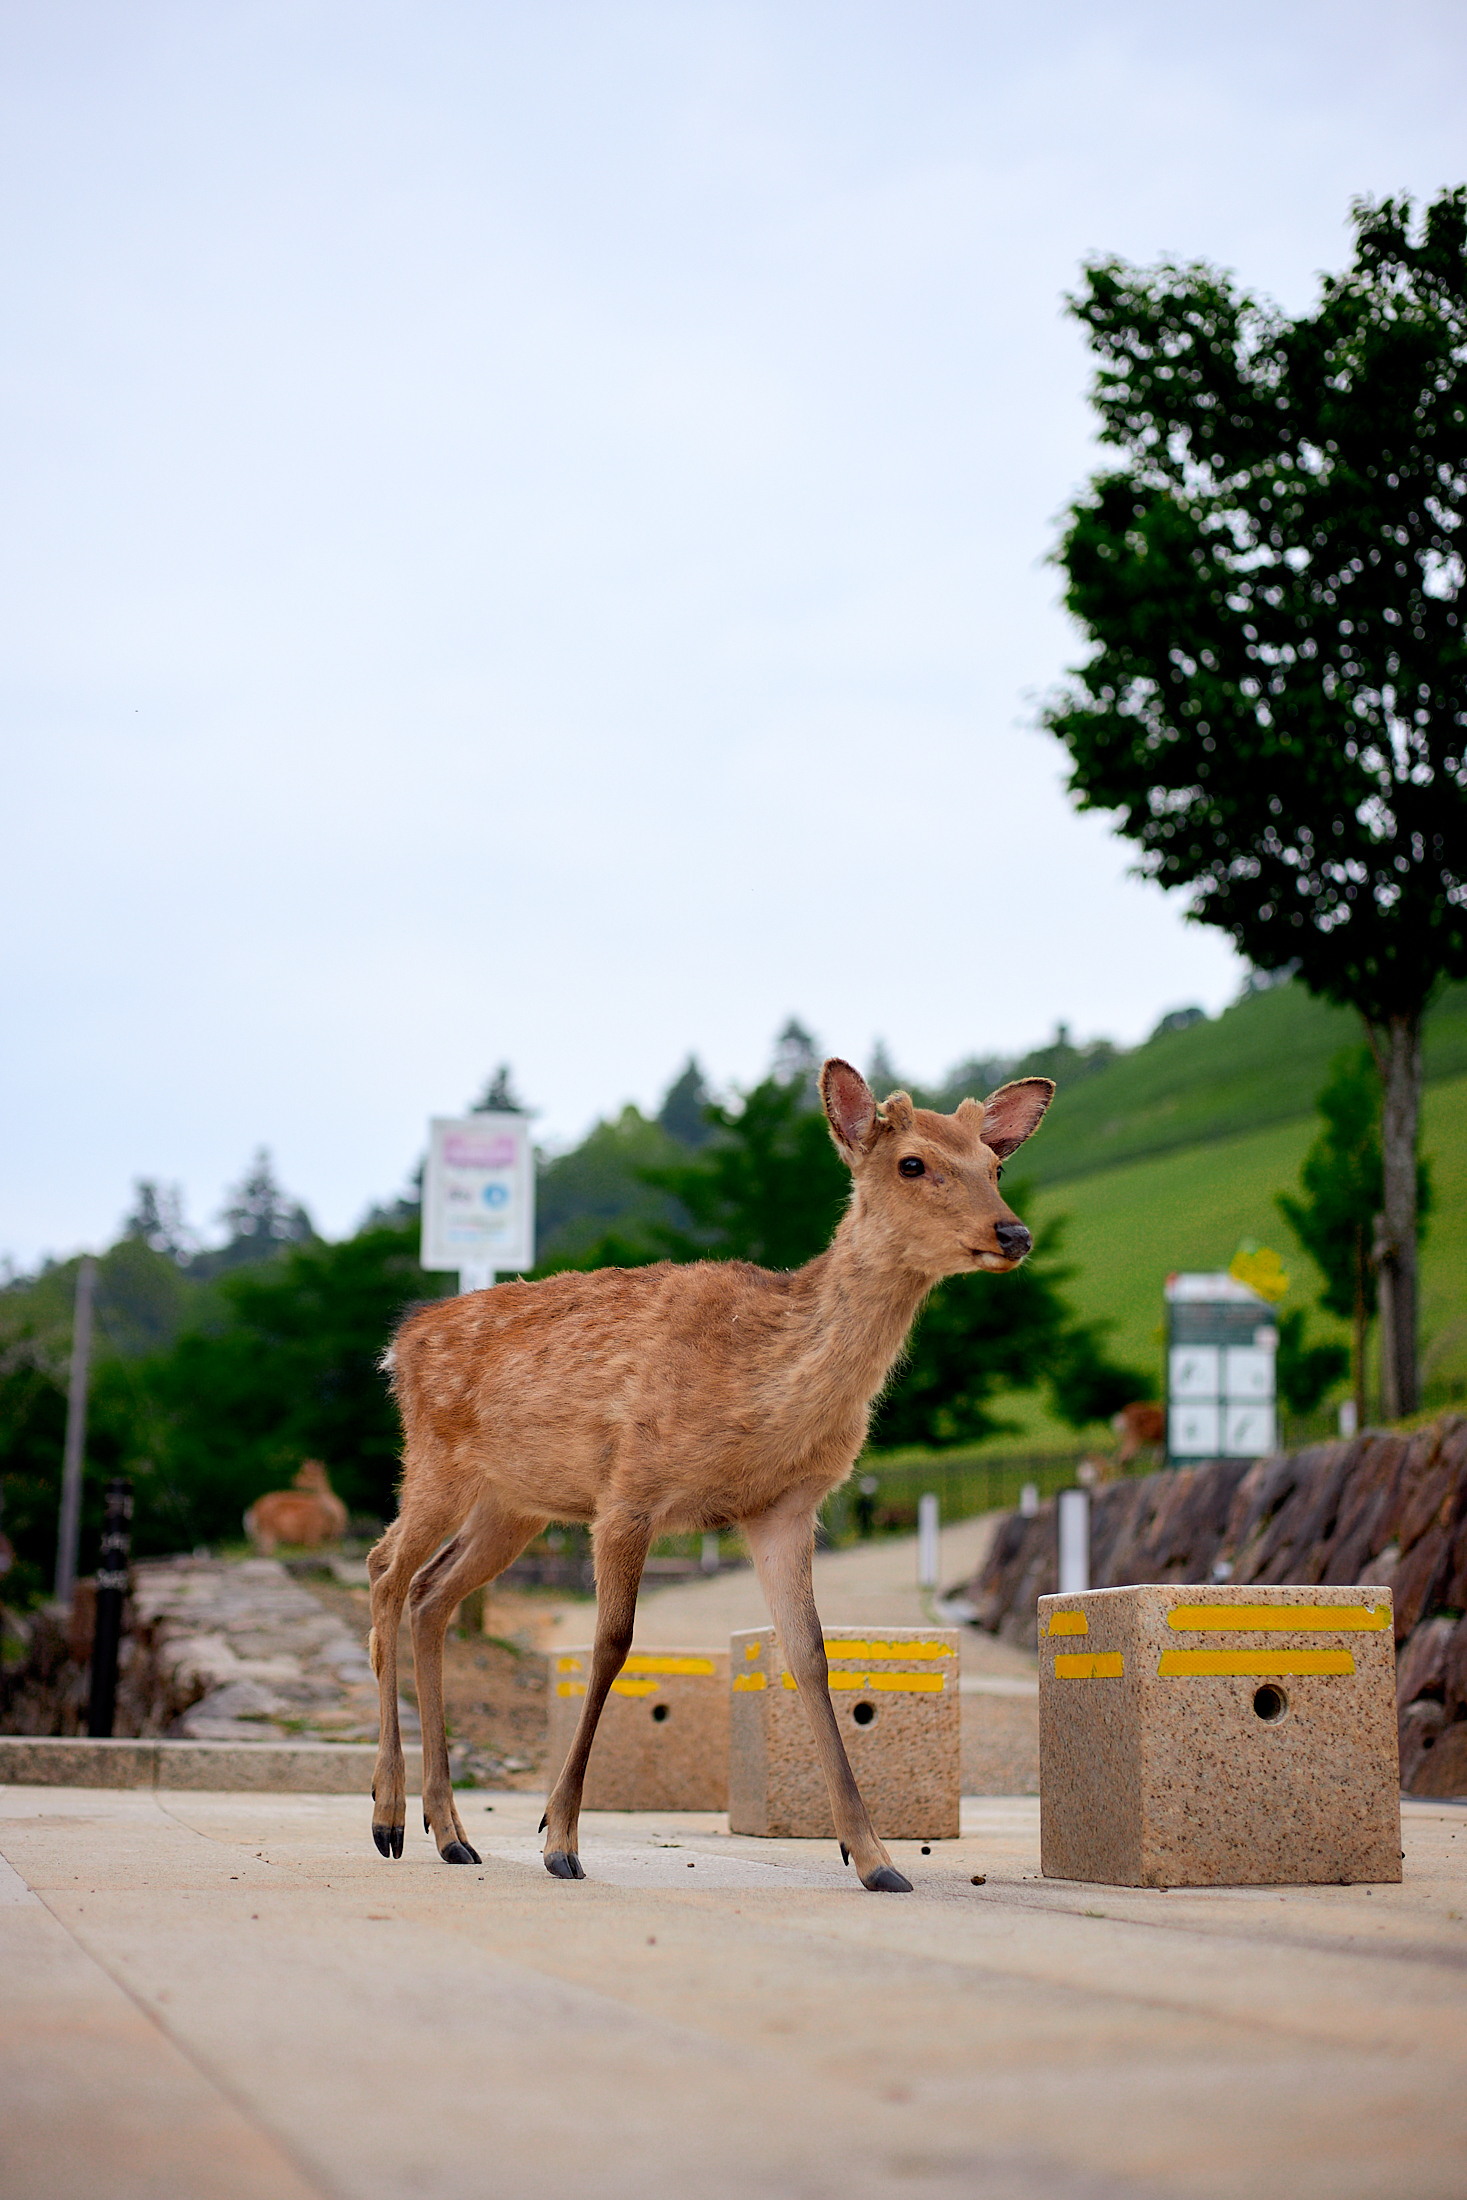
(1128, 1227)
(1261, 1062)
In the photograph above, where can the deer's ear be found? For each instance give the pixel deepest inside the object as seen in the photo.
(849, 1108)
(1013, 1113)
(896, 1110)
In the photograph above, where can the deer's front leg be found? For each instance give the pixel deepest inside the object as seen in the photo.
(621, 1547)
(782, 1541)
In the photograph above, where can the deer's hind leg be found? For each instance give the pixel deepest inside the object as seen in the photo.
(489, 1540)
(391, 1564)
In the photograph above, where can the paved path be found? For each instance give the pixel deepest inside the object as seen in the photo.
(231, 1997)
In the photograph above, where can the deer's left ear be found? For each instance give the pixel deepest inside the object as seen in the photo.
(1014, 1113)
(849, 1108)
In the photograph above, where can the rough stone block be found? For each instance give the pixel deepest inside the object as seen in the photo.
(1219, 1736)
(895, 1692)
(662, 1742)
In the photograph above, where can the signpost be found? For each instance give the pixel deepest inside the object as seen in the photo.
(1221, 1346)
(479, 1197)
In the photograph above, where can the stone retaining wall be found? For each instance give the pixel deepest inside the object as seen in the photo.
(1382, 1509)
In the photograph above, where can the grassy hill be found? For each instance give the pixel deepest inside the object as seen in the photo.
(1262, 1061)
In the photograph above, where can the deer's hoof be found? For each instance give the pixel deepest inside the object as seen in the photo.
(886, 1879)
(459, 1852)
(845, 1854)
(388, 1840)
(563, 1864)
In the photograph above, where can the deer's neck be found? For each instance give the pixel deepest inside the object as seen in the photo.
(863, 1299)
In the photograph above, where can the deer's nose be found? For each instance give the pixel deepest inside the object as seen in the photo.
(1014, 1240)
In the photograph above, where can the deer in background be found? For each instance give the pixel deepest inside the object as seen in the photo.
(648, 1401)
(310, 1514)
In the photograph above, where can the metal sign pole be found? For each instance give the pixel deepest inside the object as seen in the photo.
(69, 1527)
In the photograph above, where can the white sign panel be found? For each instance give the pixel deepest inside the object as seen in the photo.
(479, 1194)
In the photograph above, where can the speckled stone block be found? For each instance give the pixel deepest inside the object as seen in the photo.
(662, 1741)
(1219, 1736)
(895, 1692)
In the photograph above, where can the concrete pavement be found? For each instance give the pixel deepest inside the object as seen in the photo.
(233, 1996)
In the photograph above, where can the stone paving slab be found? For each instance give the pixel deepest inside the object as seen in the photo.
(292, 1768)
(709, 2017)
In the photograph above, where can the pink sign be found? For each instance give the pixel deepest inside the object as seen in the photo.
(462, 1150)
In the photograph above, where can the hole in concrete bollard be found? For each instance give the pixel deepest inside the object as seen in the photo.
(864, 1713)
(659, 1710)
(1270, 1703)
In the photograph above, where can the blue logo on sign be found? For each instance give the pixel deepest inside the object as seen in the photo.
(495, 1195)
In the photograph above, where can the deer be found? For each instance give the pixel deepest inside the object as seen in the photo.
(668, 1398)
(311, 1513)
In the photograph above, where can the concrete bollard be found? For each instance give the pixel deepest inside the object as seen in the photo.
(662, 1743)
(1209, 1736)
(895, 1692)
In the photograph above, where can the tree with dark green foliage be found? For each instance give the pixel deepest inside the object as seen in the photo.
(1303, 1371)
(1342, 1178)
(684, 1111)
(293, 1372)
(1276, 705)
(260, 1217)
(499, 1096)
(768, 1187)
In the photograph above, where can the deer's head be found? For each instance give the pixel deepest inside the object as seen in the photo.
(928, 1183)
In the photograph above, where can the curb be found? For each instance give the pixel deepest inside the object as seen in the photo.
(287, 1768)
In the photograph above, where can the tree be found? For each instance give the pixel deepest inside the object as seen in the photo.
(684, 1112)
(293, 1370)
(1276, 706)
(156, 1219)
(1306, 1371)
(499, 1096)
(261, 1219)
(1342, 1178)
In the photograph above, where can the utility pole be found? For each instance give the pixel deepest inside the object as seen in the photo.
(76, 1432)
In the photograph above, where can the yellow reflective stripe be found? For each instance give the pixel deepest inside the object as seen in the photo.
(633, 1688)
(752, 1649)
(1068, 1623)
(906, 1684)
(1089, 1665)
(1177, 1663)
(570, 1688)
(1344, 1619)
(639, 1662)
(745, 1682)
(898, 1650)
(567, 1665)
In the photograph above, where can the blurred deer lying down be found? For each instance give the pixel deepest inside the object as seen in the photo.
(311, 1513)
(1140, 1427)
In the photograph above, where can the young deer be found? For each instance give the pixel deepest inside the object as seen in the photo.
(647, 1400)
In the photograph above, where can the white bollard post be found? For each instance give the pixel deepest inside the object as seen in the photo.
(927, 1541)
(1349, 1420)
(1074, 1542)
(710, 1552)
(1029, 1500)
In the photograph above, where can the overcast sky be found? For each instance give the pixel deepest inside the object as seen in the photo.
(524, 537)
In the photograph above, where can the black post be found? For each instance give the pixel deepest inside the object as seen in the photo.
(111, 1592)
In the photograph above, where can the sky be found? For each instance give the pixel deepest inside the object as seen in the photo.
(524, 536)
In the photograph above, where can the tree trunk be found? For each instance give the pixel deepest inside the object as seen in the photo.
(1397, 1048)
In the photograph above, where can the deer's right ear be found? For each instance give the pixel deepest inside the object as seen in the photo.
(849, 1108)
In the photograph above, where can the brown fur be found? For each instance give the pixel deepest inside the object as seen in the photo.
(311, 1513)
(1140, 1426)
(648, 1400)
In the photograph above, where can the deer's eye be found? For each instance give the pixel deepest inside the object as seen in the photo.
(911, 1165)
(998, 1174)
